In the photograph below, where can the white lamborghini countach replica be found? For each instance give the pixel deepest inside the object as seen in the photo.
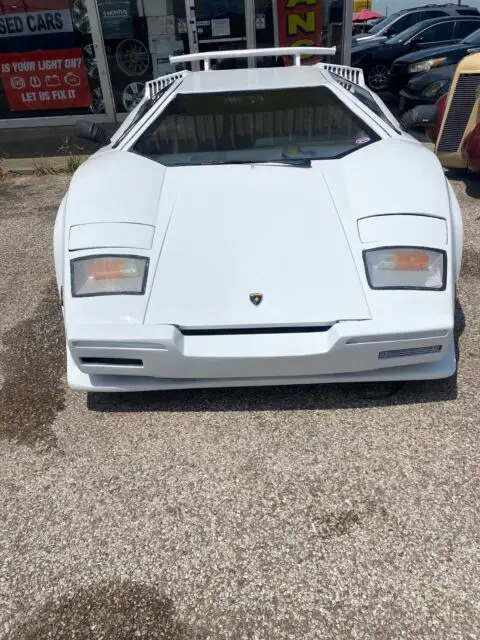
(257, 226)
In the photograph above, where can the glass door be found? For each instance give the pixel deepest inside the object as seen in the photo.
(219, 25)
(321, 23)
(139, 36)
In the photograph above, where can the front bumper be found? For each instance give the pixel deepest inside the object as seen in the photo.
(140, 357)
(410, 100)
(396, 82)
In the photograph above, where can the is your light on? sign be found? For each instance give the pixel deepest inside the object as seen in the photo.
(45, 80)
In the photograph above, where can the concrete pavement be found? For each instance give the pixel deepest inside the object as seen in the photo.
(324, 512)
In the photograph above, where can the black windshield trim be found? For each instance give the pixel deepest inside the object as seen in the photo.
(363, 96)
(372, 135)
(143, 110)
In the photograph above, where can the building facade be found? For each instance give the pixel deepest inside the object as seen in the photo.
(64, 59)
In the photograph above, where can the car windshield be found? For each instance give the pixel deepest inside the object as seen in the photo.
(378, 26)
(403, 35)
(473, 38)
(300, 124)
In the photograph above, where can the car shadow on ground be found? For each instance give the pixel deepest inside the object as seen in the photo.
(294, 397)
(471, 181)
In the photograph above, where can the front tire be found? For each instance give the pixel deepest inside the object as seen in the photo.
(377, 77)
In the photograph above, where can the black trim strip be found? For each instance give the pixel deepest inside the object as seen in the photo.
(126, 362)
(252, 331)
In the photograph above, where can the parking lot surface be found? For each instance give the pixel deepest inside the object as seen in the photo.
(301, 512)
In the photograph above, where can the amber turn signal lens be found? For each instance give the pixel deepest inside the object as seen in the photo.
(107, 270)
(411, 260)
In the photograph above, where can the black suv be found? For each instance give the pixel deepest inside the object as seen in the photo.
(401, 20)
(405, 67)
(376, 58)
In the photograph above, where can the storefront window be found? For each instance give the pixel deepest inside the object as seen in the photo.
(51, 50)
(139, 37)
(47, 61)
(289, 23)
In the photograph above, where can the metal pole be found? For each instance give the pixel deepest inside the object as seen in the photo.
(192, 30)
(101, 59)
(346, 48)
(250, 30)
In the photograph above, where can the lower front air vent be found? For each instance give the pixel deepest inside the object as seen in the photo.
(415, 351)
(117, 362)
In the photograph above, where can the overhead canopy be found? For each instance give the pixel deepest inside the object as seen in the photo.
(365, 14)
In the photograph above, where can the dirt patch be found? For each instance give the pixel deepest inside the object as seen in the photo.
(337, 524)
(24, 196)
(471, 262)
(111, 611)
(7, 191)
(32, 362)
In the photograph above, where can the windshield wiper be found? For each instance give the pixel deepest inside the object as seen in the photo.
(292, 162)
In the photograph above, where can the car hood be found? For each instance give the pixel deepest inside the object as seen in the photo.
(422, 80)
(378, 48)
(365, 47)
(225, 232)
(241, 230)
(453, 52)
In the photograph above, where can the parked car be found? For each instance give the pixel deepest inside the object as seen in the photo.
(405, 67)
(452, 123)
(182, 281)
(376, 58)
(400, 20)
(426, 88)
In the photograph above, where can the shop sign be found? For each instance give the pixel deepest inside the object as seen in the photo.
(45, 80)
(53, 16)
(299, 24)
(116, 18)
(361, 5)
(161, 48)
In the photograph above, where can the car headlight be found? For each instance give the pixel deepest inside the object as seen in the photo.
(425, 65)
(432, 89)
(406, 268)
(104, 275)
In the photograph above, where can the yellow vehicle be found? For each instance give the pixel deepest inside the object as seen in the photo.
(453, 124)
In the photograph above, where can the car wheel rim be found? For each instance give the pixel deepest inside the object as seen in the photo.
(90, 61)
(80, 17)
(132, 94)
(132, 57)
(98, 106)
(377, 77)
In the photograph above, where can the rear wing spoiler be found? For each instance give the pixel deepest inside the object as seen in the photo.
(295, 52)
(349, 73)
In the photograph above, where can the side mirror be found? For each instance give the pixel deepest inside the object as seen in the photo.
(416, 40)
(92, 131)
(420, 117)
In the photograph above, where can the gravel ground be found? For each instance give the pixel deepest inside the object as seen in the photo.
(317, 512)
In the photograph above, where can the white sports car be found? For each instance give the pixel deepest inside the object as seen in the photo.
(257, 226)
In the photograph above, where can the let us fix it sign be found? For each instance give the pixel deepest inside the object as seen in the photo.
(45, 80)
